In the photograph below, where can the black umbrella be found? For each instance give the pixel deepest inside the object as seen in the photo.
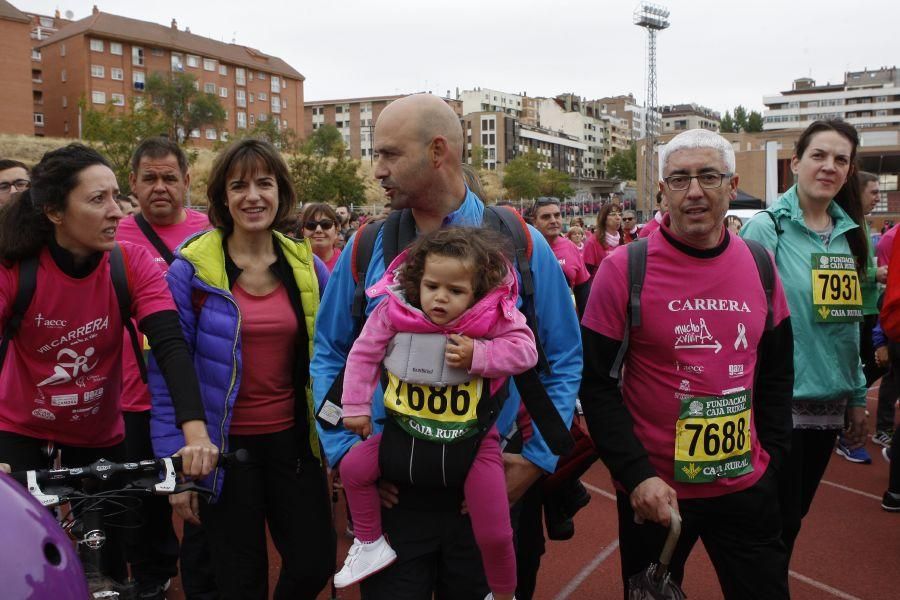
(654, 582)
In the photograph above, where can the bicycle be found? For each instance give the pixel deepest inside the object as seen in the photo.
(85, 520)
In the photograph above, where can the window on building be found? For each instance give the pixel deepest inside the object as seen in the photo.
(35, 54)
(98, 71)
(46, 21)
(98, 97)
(276, 105)
(62, 75)
(263, 117)
(37, 76)
(195, 133)
(177, 61)
(276, 85)
(37, 96)
(137, 56)
(157, 52)
(252, 97)
(209, 88)
(65, 102)
(137, 79)
(250, 75)
(223, 70)
(240, 76)
(117, 99)
(261, 76)
(223, 92)
(241, 98)
(252, 120)
(39, 119)
(96, 46)
(242, 119)
(262, 97)
(193, 61)
(116, 74)
(211, 134)
(284, 103)
(115, 48)
(209, 64)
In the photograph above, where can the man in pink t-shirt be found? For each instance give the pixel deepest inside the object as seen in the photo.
(702, 422)
(548, 220)
(160, 181)
(662, 207)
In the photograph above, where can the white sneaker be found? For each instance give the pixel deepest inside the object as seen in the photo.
(364, 560)
(490, 596)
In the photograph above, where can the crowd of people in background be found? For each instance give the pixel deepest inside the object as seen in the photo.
(445, 354)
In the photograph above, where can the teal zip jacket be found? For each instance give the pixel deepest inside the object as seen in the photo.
(826, 355)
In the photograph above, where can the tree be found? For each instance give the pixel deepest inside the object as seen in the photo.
(283, 138)
(727, 124)
(116, 133)
(479, 155)
(522, 177)
(623, 164)
(754, 122)
(555, 183)
(740, 118)
(181, 103)
(325, 141)
(327, 179)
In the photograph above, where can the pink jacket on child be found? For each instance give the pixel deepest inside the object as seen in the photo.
(504, 345)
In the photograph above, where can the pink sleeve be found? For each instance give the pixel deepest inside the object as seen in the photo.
(149, 291)
(364, 363)
(8, 290)
(510, 350)
(581, 273)
(883, 249)
(591, 251)
(608, 302)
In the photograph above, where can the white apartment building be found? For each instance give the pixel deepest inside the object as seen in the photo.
(484, 100)
(865, 99)
(588, 130)
(681, 117)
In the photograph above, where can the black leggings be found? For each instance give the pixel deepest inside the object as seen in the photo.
(26, 453)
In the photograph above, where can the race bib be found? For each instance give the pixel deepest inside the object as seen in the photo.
(712, 438)
(836, 296)
(441, 414)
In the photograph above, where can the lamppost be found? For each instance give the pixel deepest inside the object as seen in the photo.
(653, 18)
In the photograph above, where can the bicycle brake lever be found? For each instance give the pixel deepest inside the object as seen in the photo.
(169, 482)
(35, 490)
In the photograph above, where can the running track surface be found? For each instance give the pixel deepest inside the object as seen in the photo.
(849, 548)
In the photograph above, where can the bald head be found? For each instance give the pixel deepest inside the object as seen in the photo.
(430, 116)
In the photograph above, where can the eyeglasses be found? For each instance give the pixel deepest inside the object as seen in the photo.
(628, 218)
(708, 181)
(325, 224)
(19, 184)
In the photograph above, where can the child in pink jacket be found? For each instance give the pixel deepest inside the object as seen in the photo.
(453, 282)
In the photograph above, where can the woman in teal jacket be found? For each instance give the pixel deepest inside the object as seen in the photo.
(815, 232)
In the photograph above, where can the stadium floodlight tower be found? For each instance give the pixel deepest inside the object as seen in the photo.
(653, 18)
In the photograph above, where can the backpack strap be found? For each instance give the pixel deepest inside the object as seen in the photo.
(27, 284)
(154, 238)
(119, 273)
(766, 276)
(637, 268)
(399, 232)
(510, 224)
(363, 247)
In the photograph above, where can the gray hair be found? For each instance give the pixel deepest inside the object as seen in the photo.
(697, 138)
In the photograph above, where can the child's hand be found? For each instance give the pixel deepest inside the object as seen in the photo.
(459, 351)
(361, 426)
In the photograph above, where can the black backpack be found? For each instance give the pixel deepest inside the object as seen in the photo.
(637, 267)
(27, 284)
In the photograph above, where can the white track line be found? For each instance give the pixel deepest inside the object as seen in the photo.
(587, 570)
(604, 493)
(850, 489)
(821, 586)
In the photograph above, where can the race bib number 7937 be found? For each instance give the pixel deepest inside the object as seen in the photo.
(836, 295)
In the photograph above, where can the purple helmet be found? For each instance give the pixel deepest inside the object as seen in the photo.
(37, 559)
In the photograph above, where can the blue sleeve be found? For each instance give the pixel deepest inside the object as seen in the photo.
(878, 337)
(561, 339)
(322, 274)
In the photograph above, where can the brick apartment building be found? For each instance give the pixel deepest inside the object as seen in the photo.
(355, 119)
(106, 60)
(15, 64)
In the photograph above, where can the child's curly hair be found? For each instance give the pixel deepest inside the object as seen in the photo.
(482, 249)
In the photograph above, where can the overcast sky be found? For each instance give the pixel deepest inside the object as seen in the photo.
(716, 53)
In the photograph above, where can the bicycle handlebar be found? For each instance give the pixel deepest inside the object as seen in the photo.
(102, 470)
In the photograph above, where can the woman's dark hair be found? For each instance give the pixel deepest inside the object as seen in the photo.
(600, 231)
(318, 208)
(848, 197)
(24, 226)
(480, 248)
(247, 156)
